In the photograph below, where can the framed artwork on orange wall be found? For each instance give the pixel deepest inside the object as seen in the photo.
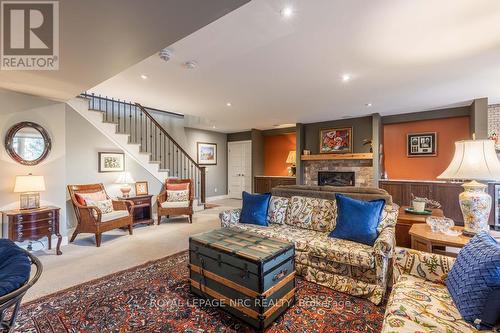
(421, 144)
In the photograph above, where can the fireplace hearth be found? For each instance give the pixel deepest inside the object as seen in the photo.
(336, 178)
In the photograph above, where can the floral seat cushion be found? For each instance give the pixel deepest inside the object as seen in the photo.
(300, 237)
(418, 305)
(342, 251)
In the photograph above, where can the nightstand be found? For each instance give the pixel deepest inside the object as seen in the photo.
(143, 209)
(33, 224)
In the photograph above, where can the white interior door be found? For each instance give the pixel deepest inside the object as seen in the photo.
(239, 168)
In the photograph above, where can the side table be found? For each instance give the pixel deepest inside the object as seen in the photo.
(406, 221)
(423, 239)
(33, 224)
(143, 209)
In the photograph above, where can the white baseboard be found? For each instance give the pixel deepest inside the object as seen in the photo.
(217, 197)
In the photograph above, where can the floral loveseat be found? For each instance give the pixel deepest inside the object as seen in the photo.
(420, 301)
(308, 218)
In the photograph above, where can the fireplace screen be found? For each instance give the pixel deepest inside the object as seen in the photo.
(336, 178)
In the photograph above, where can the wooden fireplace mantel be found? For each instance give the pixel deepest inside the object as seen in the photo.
(327, 157)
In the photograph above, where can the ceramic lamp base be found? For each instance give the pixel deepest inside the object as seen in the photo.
(125, 191)
(475, 204)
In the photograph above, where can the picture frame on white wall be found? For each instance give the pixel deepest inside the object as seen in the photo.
(111, 162)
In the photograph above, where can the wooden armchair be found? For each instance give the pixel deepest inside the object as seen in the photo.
(92, 220)
(166, 208)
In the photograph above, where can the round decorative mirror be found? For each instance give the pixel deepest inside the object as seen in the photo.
(27, 143)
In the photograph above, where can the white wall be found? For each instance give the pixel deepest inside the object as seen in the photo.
(83, 143)
(16, 108)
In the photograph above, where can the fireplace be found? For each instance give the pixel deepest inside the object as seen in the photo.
(336, 178)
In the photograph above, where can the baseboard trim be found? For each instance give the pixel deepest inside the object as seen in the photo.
(217, 197)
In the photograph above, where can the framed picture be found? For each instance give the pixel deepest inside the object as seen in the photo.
(111, 162)
(207, 153)
(141, 188)
(335, 140)
(421, 144)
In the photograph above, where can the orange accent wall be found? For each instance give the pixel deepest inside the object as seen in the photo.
(400, 166)
(276, 148)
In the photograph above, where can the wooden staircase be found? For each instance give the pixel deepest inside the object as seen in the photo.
(132, 127)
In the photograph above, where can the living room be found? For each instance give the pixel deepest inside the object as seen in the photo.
(241, 166)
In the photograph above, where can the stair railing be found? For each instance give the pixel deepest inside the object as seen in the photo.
(143, 129)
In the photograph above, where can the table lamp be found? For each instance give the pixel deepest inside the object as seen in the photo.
(125, 179)
(474, 160)
(30, 187)
(291, 159)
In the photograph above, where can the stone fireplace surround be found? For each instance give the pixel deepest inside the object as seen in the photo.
(363, 170)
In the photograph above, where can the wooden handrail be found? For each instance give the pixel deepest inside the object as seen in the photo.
(143, 111)
(166, 134)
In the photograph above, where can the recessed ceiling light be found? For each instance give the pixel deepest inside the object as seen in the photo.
(346, 77)
(144, 76)
(287, 12)
(368, 105)
(213, 126)
(228, 104)
(190, 64)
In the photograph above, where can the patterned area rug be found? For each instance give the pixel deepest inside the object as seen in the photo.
(155, 297)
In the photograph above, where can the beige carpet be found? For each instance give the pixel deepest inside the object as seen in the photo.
(82, 261)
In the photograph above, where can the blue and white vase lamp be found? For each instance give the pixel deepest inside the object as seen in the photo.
(474, 160)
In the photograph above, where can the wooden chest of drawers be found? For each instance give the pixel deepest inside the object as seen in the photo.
(33, 224)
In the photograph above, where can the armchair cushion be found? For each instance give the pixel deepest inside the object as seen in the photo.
(177, 196)
(474, 278)
(357, 220)
(105, 206)
(15, 267)
(175, 204)
(93, 196)
(177, 186)
(113, 215)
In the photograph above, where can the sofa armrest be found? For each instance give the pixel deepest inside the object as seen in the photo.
(385, 243)
(430, 266)
(389, 217)
(229, 217)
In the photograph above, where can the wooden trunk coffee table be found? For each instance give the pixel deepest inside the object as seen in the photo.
(423, 239)
(250, 276)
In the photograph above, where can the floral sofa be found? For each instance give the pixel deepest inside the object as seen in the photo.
(420, 301)
(308, 218)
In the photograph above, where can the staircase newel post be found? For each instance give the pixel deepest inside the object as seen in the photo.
(202, 184)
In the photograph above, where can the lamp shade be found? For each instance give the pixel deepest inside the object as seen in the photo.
(292, 157)
(29, 183)
(125, 178)
(473, 159)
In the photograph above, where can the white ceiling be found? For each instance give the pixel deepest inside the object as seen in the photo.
(99, 39)
(404, 56)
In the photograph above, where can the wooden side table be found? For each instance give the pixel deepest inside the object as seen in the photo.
(406, 221)
(423, 239)
(143, 209)
(33, 224)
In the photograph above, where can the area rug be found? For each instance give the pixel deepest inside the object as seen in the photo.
(155, 297)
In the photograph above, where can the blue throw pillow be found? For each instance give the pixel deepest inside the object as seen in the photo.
(15, 267)
(254, 210)
(357, 220)
(474, 281)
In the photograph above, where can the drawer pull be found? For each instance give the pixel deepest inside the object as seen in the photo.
(280, 275)
(50, 214)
